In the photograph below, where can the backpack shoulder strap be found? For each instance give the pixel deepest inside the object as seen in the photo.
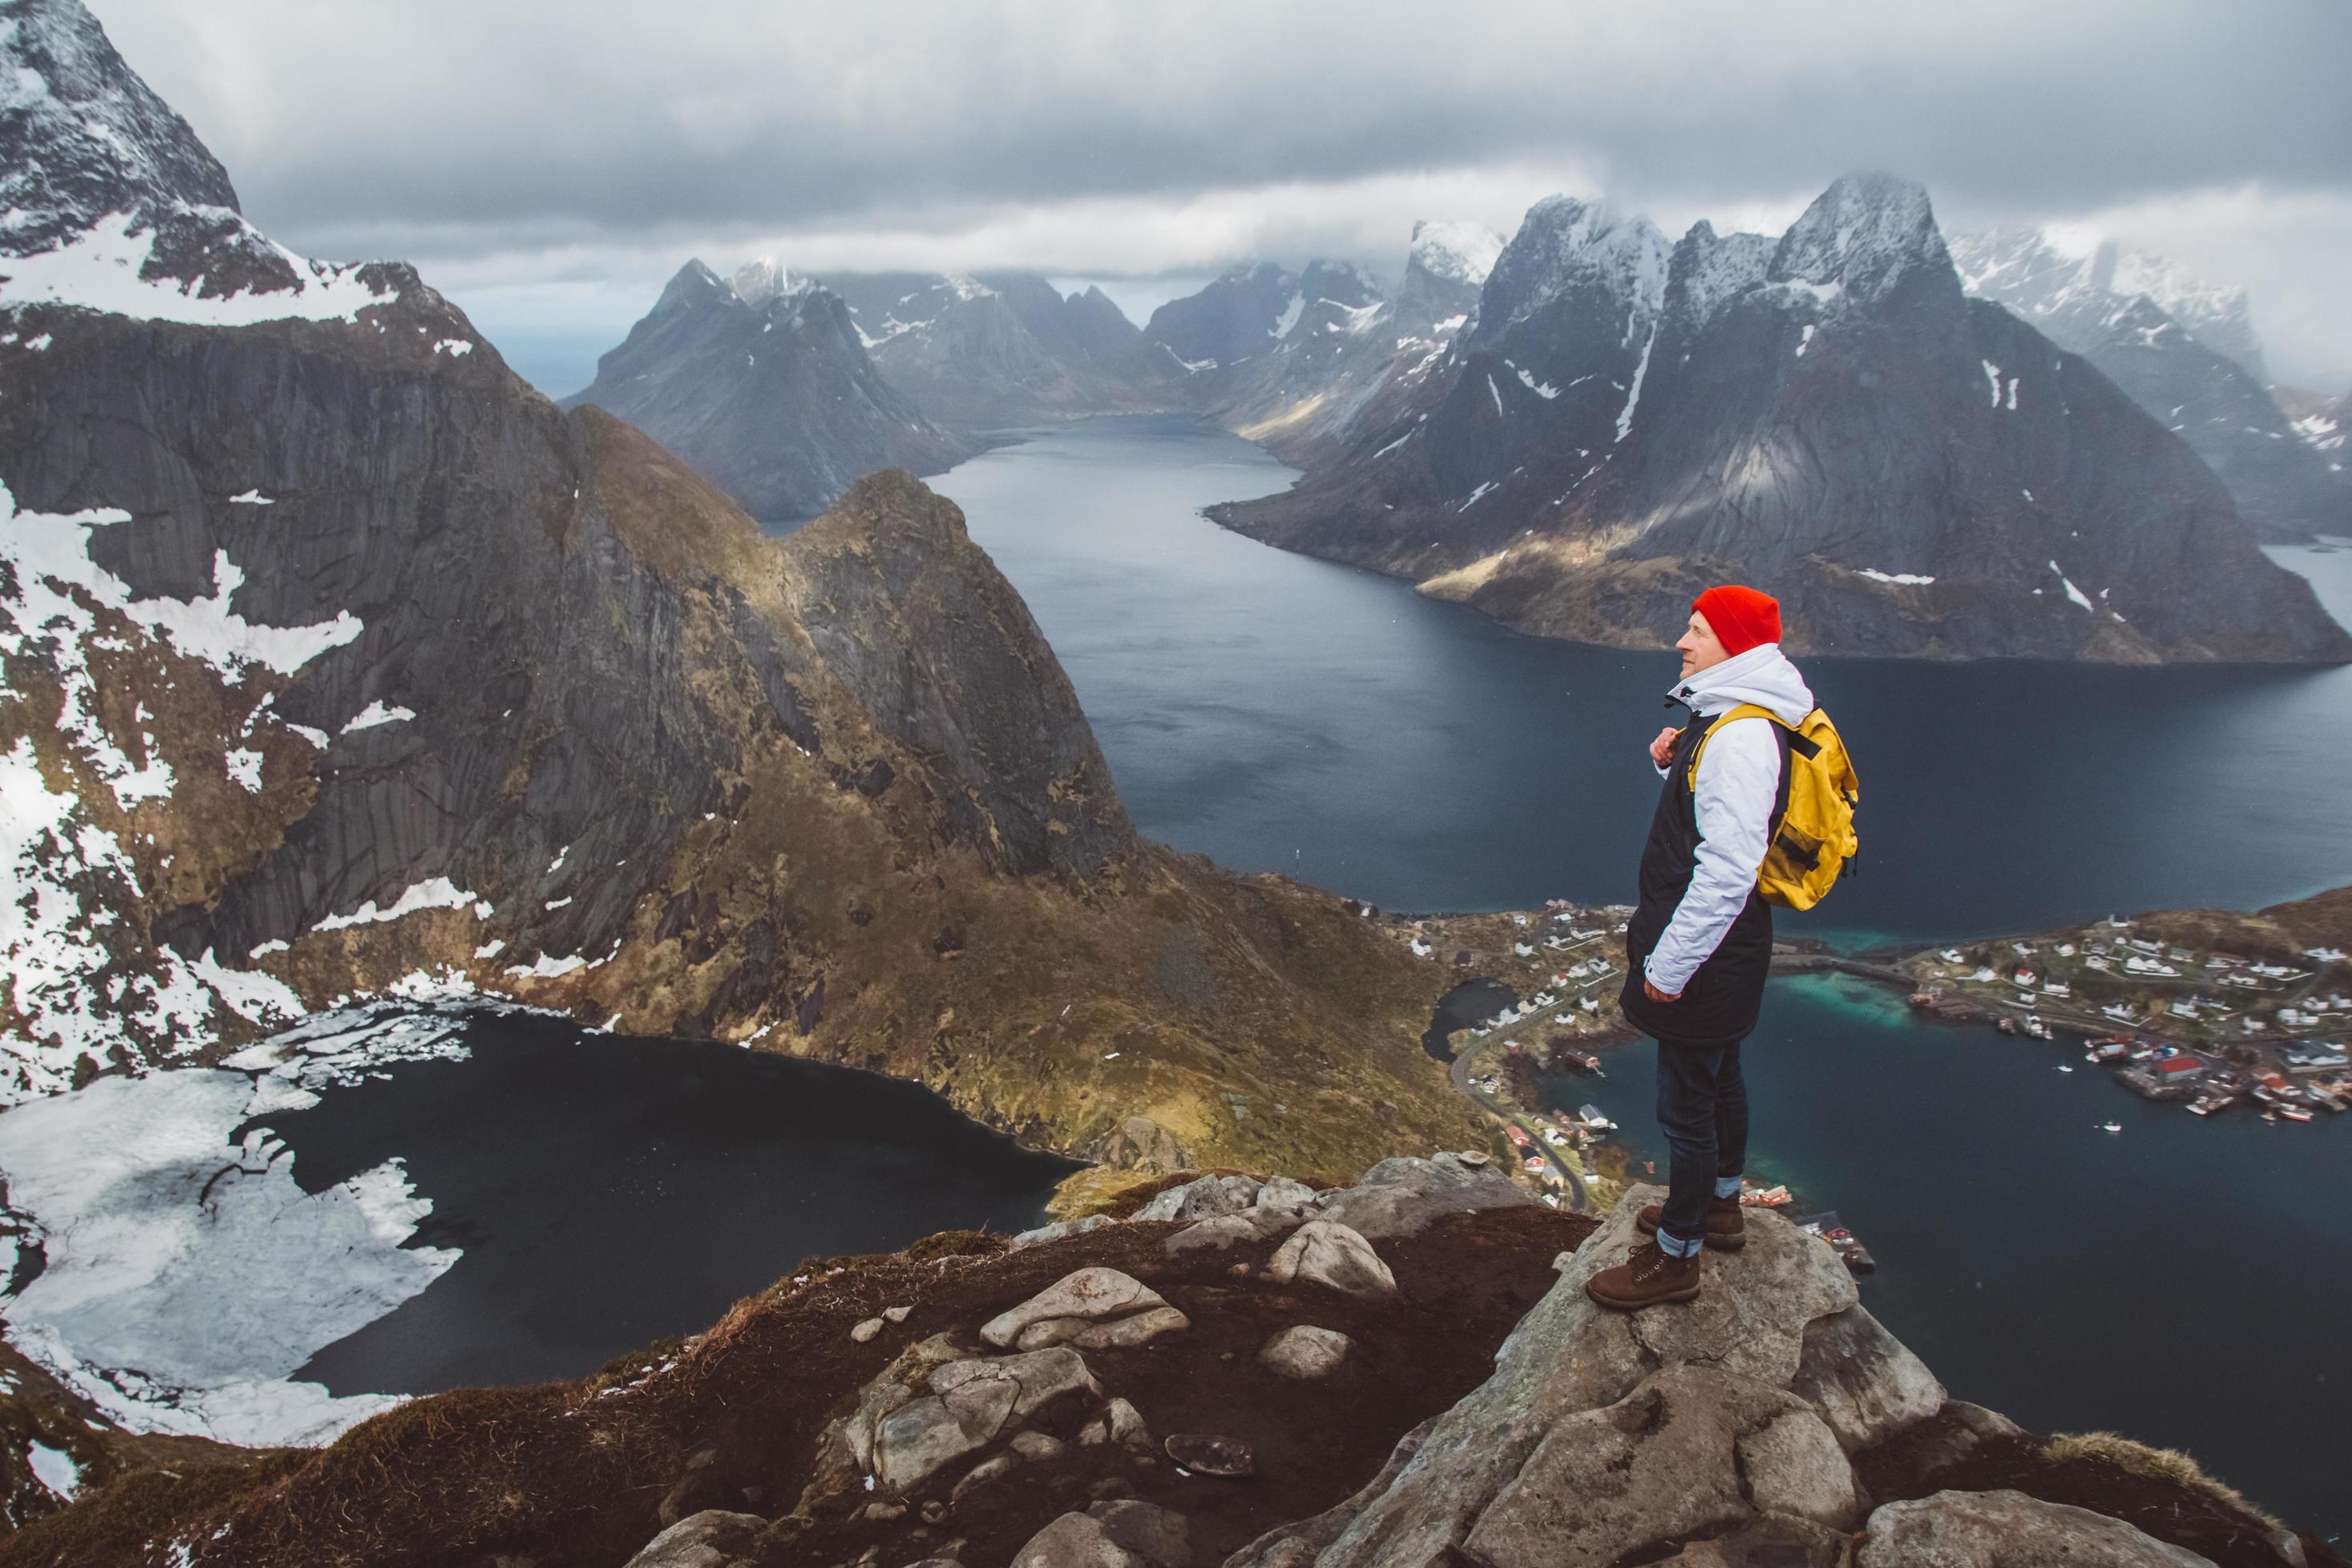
(1745, 710)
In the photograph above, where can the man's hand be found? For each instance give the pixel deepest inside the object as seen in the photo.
(1664, 746)
(1655, 994)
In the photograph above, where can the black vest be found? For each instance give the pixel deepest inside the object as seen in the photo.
(1719, 1005)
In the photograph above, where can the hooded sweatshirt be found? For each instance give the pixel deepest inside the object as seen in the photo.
(1738, 783)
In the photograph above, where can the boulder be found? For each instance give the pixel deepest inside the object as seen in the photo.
(1037, 1445)
(1865, 1383)
(1772, 1541)
(1648, 1473)
(1077, 1540)
(1401, 1196)
(1126, 1333)
(1121, 1333)
(1061, 1228)
(970, 1403)
(866, 1330)
(1517, 1461)
(1120, 1423)
(1088, 1293)
(712, 1539)
(1795, 1467)
(1253, 1225)
(1325, 1252)
(1305, 1353)
(1281, 1195)
(846, 1449)
(2008, 1530)
(1203, 1199)
(1152, 1533)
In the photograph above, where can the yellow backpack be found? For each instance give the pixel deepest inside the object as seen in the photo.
(1816, 837)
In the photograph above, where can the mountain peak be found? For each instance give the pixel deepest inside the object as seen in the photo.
(1568, 245)
(757, 282)
(1864, 235)
(1455, 251)
(83, 137)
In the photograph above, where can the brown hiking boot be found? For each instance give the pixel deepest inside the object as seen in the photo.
(1726, 1224)
(1645, 1279)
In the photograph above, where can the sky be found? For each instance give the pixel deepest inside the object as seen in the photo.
(548, 166)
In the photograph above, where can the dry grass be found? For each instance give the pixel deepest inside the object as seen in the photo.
(2155, 1464)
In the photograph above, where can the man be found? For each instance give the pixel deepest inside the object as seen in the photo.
(1700, 942)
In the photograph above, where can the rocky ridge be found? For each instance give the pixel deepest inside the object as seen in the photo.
(2194, 367)
(1912, 473)
(1244, 1371)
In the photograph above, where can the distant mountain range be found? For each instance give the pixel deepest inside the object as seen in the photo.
(1573, 430)
(1626, 418)
(2185, 352)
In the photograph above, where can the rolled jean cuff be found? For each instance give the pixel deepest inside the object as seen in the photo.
(1673, 1245)
(1727, 1186)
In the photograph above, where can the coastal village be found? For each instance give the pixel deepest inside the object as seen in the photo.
(2212, 1012)
(2215, 1011)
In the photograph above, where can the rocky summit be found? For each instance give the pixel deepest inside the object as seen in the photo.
(1233, 1374)
(341, 663)
(1912, 472)
(763, 384)
(2184, 352)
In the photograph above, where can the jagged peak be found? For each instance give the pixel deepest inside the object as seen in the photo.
(690, 285)
(1708, 270)
(1455, 251)
(2039, 271)
(1862, 236)
(1341, 282)
(757, 281)
(83, 137)
(1565, 243)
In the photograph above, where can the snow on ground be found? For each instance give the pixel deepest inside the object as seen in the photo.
(1909, 578)
(378, 712)
(1633, 393)
(188, 1274)
(99, 270)
(436, 893)
(53, 1467)
(1462, 252)
(2073, 592)
(1289, 317)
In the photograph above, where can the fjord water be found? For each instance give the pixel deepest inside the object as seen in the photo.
(1277, 713)
(609, 1192)
(2181, 1280)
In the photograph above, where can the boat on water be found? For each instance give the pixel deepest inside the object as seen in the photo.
(2295, 1113)
(2063, 1067)
(1832, 1229)
(1772, 1197)
(2111, 1126)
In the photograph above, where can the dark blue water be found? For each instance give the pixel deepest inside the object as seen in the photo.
(610, 1192)
(2184, 1282)
(1282, 713)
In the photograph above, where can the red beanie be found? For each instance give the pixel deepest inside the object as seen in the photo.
(1742, 617)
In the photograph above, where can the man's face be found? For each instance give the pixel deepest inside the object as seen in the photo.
(1700, 646)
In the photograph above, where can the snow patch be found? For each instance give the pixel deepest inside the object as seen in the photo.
(1633, 393)
(98, 269)
(453, 347)
(377, 712)
(438, 893)
(1908, 579)
(244, 767)
(1481, 490)
(253, 498)
(2073, 592)
(53, 1467)
(1544, 390)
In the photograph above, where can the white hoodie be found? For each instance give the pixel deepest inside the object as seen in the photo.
(1738, 779)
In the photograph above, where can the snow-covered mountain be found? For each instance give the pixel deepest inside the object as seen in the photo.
(2322, 423)
(2183, 350)
(764, 384)
(991, 350)
(1827, 416)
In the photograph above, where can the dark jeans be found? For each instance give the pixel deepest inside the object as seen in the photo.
(1703, 1109)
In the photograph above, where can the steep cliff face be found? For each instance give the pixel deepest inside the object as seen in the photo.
(2197, 372)
(1401, 1370)
(339, 661)
(1828, 417)
(764, 386)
